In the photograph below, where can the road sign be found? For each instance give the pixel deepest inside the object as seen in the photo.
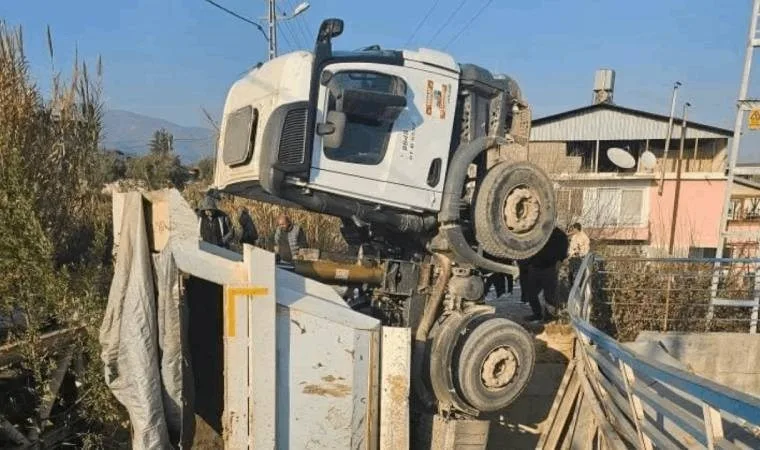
(754, 119)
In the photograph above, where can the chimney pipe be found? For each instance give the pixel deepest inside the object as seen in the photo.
(604, 86)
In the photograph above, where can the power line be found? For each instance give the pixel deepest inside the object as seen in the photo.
(309, 29)
(238, 16)
(289, 28)
(422, 22)
(447, 22)
(299, 25)
(280, 27)
(467, 25)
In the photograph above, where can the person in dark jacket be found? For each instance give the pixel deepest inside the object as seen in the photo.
(288, 239)
(541, 273)
(215, 226)
(248, 233)
(501, 282)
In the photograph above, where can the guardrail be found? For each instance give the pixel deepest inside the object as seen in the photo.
(649, 404)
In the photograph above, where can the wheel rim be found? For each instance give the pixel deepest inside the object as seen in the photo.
(522, 209)
(499, 368)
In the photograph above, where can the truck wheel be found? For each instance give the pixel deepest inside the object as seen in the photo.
(495, 364)
(514, 210)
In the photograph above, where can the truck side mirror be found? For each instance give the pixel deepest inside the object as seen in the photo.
(332, 129)
(330, 28)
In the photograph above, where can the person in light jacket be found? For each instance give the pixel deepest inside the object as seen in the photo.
(580, 245)
(288, 239)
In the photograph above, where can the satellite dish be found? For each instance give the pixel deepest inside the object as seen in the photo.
(648, 160)
(621, 158)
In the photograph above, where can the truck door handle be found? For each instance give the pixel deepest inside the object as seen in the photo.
(434, 173)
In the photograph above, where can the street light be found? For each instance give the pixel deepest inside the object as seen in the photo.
(301, 8)
(272, 19)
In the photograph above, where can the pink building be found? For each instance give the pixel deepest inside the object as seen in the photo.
(632, 208)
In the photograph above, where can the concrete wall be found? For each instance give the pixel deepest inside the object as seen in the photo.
(732, 359)
(698, 219)
(552, 157)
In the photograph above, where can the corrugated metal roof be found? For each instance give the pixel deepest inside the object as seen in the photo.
(609, 122)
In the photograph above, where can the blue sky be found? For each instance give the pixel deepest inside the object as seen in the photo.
(169, 58)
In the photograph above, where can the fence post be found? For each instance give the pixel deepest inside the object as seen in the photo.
(756, 294)
(713, 425)
(667, 304)
(637, 410)
(717, 270)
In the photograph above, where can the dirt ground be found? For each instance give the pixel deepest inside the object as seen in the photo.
(519, 425)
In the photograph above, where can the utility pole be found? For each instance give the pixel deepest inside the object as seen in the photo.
(676, 85)
(677, 195)
(272, 22)
(744, 105)
(272, 19)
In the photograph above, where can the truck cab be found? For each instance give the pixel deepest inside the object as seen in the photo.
(367, 135)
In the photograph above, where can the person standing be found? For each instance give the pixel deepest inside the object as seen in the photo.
(288, 239)
(215, 226)
(542, 274)
(580, 245)
(248, 233)
(501, 282)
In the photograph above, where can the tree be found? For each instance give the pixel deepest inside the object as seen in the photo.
(162, 142)
(158, 170)
(206, 169)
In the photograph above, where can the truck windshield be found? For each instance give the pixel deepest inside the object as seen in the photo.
(365, 140)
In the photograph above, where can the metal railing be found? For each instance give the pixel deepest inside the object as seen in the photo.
(646, 403)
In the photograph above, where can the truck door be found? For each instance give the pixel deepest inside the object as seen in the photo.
(399, 162)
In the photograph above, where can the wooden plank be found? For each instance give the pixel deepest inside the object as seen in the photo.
(567, 398)
(262, 348)
(48, 343)
(612, 440)
(395, 363)
(594, 375)
(617, 409)
(637, 409)
(729, 400)
(584, 427)
(552, 421)
(12, 433)
(54, 384)
(568, 439)
(235, 416)
(680, 417)
(713, 425)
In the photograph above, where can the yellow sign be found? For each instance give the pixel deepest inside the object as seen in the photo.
(754, 119)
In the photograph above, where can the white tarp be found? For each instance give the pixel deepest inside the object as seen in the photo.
(141, 337)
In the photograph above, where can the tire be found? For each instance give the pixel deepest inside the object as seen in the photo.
(503, 185)
(495, 336)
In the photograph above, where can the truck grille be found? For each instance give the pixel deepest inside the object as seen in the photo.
(292, 140)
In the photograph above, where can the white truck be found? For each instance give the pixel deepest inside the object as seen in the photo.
(416, 154)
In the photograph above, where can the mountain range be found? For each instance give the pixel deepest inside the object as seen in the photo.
(131, 132)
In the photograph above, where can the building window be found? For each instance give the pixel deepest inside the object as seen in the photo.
(569, 206)
(601, 206)
(702, 252)
(631, 206)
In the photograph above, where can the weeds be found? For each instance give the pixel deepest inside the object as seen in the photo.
(632, 295)
(54, 231)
